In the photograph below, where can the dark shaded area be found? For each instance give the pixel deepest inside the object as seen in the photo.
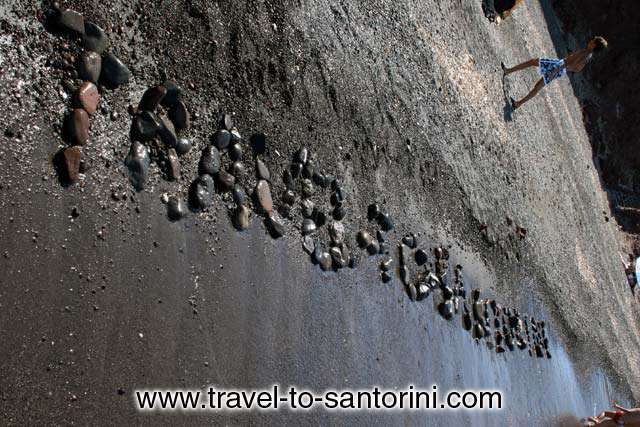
(608, 92)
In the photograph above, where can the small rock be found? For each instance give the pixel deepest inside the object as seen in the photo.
(78, 126)
(385, 276)
(337, 197)
(373, 211)
(226, 181)
(114, 72)
(423, 291)
(302, 155)
(71, 21)
(307, 188)
(339, 212)
(373, 248)
(385, 221)
(307, 208)
(405, 253)
(337, 257)
(308, 226)
(241, 218)
(90, 66)
(88, 97)
(145, 126)
(275, 225)
(173, 95)
(183, 146)
(167, 132)
(364, 239)
(308, 244)
(179, 115)
(95, 39)
(421, 257)
(227, 122)
(296, 170)
(446, 309)
(325, 261)
(239, 196)
(466, 321)
(319, 217)
(238, 170)
(263, 171)
(221, 139)
(209, 161)
(173, 170)
(410, 241)
(478, 331)
(236, 138)
(412, 292)
(289, 197)
(138, 163)
(176, 208)
(287, 179)
(72, 157)
(263, 194)
(235, 152)
(152, 97)
(336, 232)
(202, 191)
(385, 265)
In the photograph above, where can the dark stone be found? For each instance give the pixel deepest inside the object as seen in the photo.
(77, 125)
(71, 21)
(385, 221)
(167, 132)
(241, 218)
(138, 162)
(325, 261)
(226, 181)
(446, 309)
(307, 208)
(447, 293)
(308, 169)
(410, 241)
(302, 155)
(308, 226)
(263, 195)
(353, 261)
(466, 321)
(337, 197)
(239, 196)
(173, 95)
(289, 197)
(176, 209)
(275, 226)
(296, 170)
(90, 66)
(263, 171)
(287, 179)
(339, 212)
(152, 98)
(421, 257)
(72, 156)
(308, 244)
(364, 239)
(423, 291)
(318, 179)
(95, 39)
(173, 165)
(412, 292)
(373, 248)
(221, 139)
(373, 211)
(236, 138)
(317, 252)
(202, 191)
(114, 72)
(336, 256)
(478, 331)
(235, 152)
(179, 115)
(385, 276)
(210, 161)
(183, 146)
(319, 217)
(226, 122)
(145, 126)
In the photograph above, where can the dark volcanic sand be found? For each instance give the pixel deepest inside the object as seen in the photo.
(403, 102)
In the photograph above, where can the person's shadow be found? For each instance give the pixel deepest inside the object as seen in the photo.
(508, 108)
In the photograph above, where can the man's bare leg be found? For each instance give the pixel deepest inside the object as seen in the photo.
(530, 63)
(537, 88)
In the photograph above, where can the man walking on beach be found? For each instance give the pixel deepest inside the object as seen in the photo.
(551, 69)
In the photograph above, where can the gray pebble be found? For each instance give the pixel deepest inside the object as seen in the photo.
(307, 208)
(263, 171)
(308, 244)
(90, 66)
(210, 161)
(183, 146)
(137, 161)
(202, 191)
(114, 72)
(95, 39)
(308, 226)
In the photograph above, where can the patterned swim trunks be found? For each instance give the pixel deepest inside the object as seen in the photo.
(551, 69)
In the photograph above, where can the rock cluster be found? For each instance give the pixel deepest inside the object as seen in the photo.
(95, 66)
